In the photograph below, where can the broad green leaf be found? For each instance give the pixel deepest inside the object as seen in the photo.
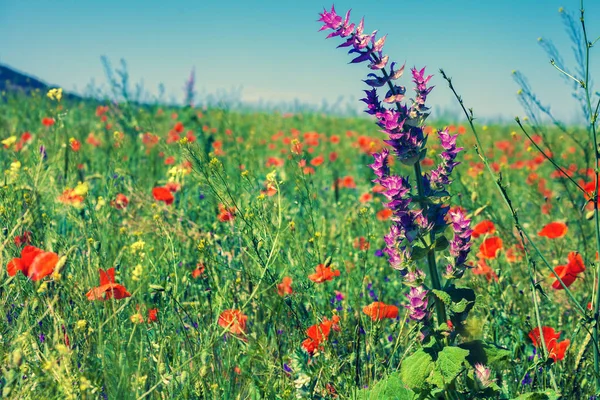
(391, 388)
(449, 364)
(547, 395)
(416, 368)
(441, 243)
(443, 296)
(459, 307)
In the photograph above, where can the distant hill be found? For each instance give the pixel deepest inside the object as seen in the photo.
(12, 80)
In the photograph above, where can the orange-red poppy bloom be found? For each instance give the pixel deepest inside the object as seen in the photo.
(490, 247)
(568, 273)
(108, 289)
(198, 271)
(485, 227)
(48, 122)
(361, 243)
(34, 263)
(233, 321)
(379, 310)
(75, 144)
(318, 160)
(319, 333)
(153, 315)
(285, 287)
(72, 197)
(384, 214)
(481, 268)
(323, 274)
(225, 215)
(163, 194)
(556, 349)
(365, 197)
(120, 202)
(554, 230)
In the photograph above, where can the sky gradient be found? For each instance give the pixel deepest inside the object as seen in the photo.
(272, 50)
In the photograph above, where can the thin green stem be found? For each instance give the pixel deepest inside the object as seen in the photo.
(592, 123)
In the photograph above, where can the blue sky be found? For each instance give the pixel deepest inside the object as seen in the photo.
(272, 50)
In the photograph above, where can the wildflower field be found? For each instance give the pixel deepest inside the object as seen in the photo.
(155, 251)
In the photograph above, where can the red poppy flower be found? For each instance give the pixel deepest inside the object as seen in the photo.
(108, 289)
(198, 271)
(34, 263)
(323, 274)
(271, 189)
(490, 247)
(568, 273)
(365, 197)
(485, 227)
(347, 182)
(71, 196)
(75, 144)
(315, 162)
(120, 202)
(361, 244)
(225, 215)
(153, 315)
(384, 214)
(285, 287)
(483, 269)
(379, 310)
(48, 122)
(319, 333)
(233, 321)
(554, 230)
(556, 350)
(163, 194)
(178, 127)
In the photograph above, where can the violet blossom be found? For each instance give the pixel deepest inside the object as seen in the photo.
(417, 217)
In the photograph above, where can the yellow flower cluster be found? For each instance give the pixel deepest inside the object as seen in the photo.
(55, 94)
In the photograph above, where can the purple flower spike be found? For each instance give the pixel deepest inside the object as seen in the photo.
(460, 245)
(380, 166)
(417, 303)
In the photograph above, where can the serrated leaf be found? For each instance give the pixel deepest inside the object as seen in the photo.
(443, 296)
(449, 364)
(391, 388)
(459, 307)
(547, 395)
(416, 368)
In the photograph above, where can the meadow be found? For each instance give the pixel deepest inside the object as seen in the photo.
(155, 251)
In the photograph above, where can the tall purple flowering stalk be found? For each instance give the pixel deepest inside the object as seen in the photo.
(419, 219)
(188, 89)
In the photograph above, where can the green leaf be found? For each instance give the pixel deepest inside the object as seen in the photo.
(547, 395)
(441, 243)
(459, 307)
(418, 252)
(449, 364)
(416, 368)
(443, 296)
(391, 388)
